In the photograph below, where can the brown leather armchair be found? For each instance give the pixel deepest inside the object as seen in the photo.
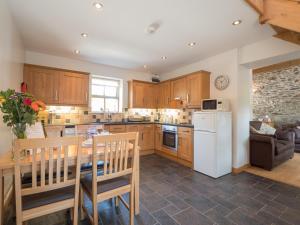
(268, 151)
(297, 139)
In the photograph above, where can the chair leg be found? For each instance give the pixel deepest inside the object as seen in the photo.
(75, 215)
(131, 208)
(117, 201)
(71, 214)
(81, 204)
(95, 213)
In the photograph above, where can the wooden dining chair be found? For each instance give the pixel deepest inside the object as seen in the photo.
(56, 189)
(118, 175)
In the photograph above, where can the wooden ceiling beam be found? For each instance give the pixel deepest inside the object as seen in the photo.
(282, 13)
(290, 36)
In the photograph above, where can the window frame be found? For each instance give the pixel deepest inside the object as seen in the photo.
(119, 94)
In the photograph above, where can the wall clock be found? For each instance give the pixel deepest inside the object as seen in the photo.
(222, 82)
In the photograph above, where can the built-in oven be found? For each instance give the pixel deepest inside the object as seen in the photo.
(170, 137)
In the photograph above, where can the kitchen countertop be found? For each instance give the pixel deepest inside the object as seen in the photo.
(124, 123)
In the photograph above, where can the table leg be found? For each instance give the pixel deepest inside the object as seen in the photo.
(1, 197)
(137, 186)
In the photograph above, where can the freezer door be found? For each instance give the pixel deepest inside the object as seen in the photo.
(205, 156)
(205, 121)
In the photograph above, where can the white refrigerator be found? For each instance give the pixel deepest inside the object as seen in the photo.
(213, 143)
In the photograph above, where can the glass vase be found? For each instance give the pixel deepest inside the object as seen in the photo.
(18, 132)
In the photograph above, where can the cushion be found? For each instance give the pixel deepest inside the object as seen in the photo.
(103, 186)
(284, 135)
(267, 129)
(256, 124)
(89, 166)
(45, 198)
(282, 146)
(254, 131)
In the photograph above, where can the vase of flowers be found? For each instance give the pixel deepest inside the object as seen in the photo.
(19, 110)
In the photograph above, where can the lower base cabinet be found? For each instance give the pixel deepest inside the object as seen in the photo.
(151, 138)
(185, 144)
(146, 135)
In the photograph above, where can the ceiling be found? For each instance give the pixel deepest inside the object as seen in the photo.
(116, 33)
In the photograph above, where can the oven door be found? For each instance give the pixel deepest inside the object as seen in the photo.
(170, 140)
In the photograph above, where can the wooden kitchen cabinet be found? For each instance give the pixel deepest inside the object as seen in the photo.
(146, 137)
(178, 89)
(185, 91)
(132, 128)
(164, 94)
(57, 86)
(158, 137)
(136, 94)
(116, 128)
(146, 134)
(74, 88)
(198, 88)
(149, 96)
(42, 83)
(185, 144)
(141, 94)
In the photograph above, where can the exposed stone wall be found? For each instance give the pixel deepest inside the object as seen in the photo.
(277, 94)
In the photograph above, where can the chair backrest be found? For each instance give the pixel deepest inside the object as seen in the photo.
(49, 164)
(120, 155)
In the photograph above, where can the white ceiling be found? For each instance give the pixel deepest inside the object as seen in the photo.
(117, 32)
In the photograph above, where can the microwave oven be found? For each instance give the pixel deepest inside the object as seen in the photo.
(215, 105)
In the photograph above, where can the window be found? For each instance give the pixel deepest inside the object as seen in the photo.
(106, 94)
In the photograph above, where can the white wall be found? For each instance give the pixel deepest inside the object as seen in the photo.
(11, 64)
(237, 64)
(93, 68)
(268, 52)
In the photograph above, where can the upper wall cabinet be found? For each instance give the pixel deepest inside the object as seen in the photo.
(42, 83)
(74, 88)
(185, 91)
(164, 98)
(179, 89)
(57, 87)
(198, 88)
(141, 94)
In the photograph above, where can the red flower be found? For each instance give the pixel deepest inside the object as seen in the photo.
(27, 101)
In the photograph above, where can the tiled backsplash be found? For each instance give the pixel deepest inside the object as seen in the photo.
(79, 115)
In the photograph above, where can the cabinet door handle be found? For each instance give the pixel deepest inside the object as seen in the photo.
(86, 96)
(56, 95)
(188, 98)
(142, 136)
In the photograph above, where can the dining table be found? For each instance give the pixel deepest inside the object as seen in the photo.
(7, 167)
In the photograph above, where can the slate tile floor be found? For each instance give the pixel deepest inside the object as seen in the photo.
(175, 195)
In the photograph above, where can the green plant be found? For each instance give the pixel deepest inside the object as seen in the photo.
(19, 109)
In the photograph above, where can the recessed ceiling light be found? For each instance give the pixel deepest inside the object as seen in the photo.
(191, 44)
(77, 51)
(164, 57)
(97, 5)
(236, 22)
(84, 35)
(145, 66)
